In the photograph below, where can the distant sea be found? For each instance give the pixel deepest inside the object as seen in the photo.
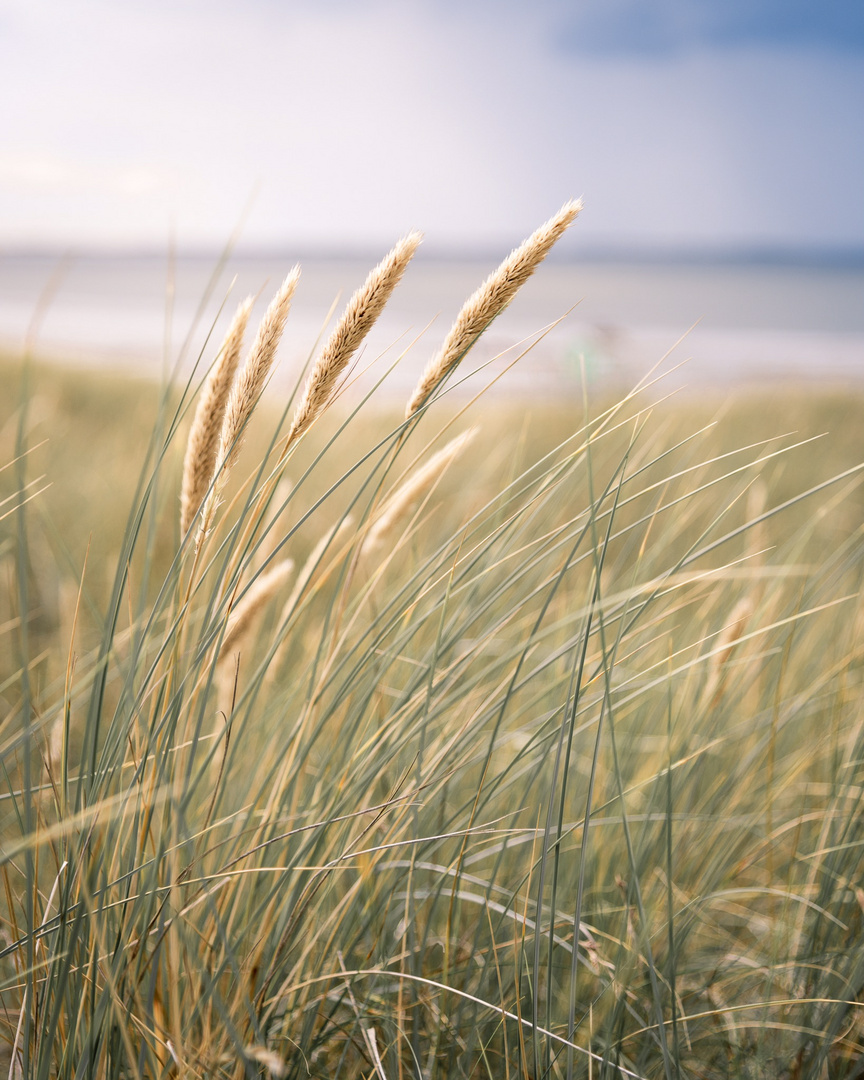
(730, 321)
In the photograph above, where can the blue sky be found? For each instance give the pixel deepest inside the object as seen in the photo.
(683, 123)
(666, 27)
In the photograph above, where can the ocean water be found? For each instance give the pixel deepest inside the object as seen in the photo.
(715, 324)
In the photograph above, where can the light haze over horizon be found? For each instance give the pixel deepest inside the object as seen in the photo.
(696, 124)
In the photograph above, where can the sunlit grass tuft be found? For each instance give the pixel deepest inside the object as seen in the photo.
(546, 761)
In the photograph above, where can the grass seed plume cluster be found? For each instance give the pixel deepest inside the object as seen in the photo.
(444, 741)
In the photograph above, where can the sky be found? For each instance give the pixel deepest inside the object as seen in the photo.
(684, 124)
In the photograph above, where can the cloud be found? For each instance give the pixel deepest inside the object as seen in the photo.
(358, 120)
(29, 172)
(667, 27)
(664, 28)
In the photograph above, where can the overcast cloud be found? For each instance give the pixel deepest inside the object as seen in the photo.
(682, 122)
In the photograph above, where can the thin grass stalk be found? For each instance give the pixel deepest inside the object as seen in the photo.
(270, 535)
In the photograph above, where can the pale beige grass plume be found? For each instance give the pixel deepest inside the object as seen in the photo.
(360, 315)
(412, 490)
(729, 636)
(489, 301)
(335, 532)
(200, 460)
(245, 391)
(265, 586)
(312, 560)
(240, 625)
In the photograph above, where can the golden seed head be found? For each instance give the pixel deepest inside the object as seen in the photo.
(359, 317)
(489, 301)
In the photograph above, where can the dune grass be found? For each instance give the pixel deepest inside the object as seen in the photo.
(546, 761)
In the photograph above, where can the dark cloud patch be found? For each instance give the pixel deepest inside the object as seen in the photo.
(668, 27)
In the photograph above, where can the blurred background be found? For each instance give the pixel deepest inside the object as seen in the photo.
(717, 145)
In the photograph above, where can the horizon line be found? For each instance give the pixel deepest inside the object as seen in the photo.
(815, 255)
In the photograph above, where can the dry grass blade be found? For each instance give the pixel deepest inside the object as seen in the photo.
(245, 391)
(489, 301)
(412, 490)
(363, 309)
(199, 463)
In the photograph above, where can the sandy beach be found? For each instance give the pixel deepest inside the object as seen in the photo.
(725, 323)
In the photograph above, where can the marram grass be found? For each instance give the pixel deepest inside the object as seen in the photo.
(547, 761)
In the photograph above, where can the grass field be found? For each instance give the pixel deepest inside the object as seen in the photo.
(546, 760)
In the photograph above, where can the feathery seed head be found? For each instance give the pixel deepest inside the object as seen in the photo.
(734, 629)
(251, 378)
(359, 317)
(245, 391)
(199, 463)
(334, 533)
(262, 589)
(489, 301)
(726, 641)
(309, 567)
(413, 489)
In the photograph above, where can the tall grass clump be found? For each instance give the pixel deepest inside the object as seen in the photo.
(421, 745)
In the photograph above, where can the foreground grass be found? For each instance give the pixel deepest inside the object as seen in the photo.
(560, 776)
